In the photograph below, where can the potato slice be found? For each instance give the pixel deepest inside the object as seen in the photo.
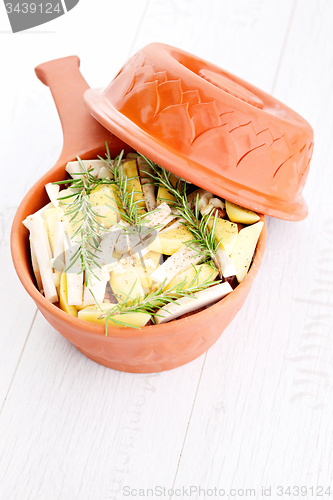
(93, 313)
(131, 171)
(173, 239)
(152, 260)
(244, 248)
(63, 298)
(125, 282)
(240, 214)
(164, 195)
(145, 266)
(100, 197)
(225, 231)
(203, 272)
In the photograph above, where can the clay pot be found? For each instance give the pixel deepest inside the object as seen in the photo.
(152, 348)
(211, 128)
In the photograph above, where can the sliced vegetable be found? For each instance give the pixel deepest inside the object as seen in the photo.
(163, 195)
(185, 305)
(104, 204)
(63, 298)
(93, 313)
(40, 212)
(173, 239)
(95, 290)
(131, 172)
(119, 243)
(178, 262)
(52, 216)
(244, 248)
(144, 266)
(53, 193)
(158, 216)
(106, 255)
(125, 282)
(225, 232)
(74, 273)
(240, 214)
(201, 272)
(42, 250)
(35, 267)
(74, 167)
(226, 263)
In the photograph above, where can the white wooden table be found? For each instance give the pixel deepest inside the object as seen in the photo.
(256, 410)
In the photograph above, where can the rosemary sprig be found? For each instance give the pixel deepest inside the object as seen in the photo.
(158, 298)
(127, 207)
(87, 229)
(203, 237)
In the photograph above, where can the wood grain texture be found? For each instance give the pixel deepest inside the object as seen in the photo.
(256, 410)
(80, 430)
(273, 426)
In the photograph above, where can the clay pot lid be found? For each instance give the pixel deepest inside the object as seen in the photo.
(209, 127)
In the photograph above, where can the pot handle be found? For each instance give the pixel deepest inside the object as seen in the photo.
(81, 132)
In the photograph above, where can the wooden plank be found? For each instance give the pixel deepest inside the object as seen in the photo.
(17, 314)
(71, 428)
(263, 414)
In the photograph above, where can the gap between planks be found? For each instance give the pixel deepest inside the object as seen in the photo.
(284, 45)
(188, 423)
(18, 362)
(139, 28)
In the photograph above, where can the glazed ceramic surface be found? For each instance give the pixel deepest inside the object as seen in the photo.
(211, 128)
(152, 348)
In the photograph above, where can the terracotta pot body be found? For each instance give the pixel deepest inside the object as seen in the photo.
(152, 348)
